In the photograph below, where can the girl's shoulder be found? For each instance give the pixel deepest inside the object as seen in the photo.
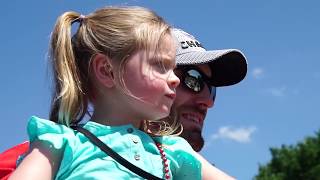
(62, 137)
(49, 131)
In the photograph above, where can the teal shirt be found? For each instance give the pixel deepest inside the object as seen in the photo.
(83, 160)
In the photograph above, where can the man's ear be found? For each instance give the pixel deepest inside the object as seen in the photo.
(102, 70)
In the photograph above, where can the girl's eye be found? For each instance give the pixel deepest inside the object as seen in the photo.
(162, 63)
(162, 66)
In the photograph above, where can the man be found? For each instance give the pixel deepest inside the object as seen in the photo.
(200, 72)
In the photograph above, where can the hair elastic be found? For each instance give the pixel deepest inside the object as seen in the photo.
(79, 19)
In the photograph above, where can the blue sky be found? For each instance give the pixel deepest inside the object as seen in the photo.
(276, 104)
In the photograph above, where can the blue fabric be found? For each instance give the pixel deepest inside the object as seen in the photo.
(83, 160)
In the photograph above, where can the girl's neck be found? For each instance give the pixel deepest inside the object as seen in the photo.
(114, 111)
(115, 119)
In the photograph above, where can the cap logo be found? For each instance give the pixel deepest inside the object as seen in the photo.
(187, 44)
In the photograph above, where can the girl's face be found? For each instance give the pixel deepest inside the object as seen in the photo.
(150, 80)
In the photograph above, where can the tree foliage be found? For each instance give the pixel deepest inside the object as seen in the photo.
(300, 161)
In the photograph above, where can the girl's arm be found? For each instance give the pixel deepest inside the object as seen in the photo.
(41, 163)
(209, 172)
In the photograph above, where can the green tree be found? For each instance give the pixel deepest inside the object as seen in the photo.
(301, 162)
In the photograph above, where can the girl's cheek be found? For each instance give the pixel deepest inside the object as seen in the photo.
(160, 84)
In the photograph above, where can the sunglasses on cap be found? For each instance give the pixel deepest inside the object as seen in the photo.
(193, 79)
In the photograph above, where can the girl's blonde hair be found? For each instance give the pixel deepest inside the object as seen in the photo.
(116, 32)
(170, 125)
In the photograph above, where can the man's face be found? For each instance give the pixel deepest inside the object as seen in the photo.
(192, 109)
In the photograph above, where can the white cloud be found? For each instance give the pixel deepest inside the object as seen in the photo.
(278, 92)
(257, 73)
(241, 135)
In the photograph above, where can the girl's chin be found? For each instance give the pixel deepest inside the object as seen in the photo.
(162, 116)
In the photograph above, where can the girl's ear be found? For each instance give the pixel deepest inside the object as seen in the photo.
(102, 70)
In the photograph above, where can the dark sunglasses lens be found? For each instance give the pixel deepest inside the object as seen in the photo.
(213, 92)
(193, 80)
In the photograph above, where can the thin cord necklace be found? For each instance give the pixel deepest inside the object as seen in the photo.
(164, 161)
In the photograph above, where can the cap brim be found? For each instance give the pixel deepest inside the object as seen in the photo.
(229, 66)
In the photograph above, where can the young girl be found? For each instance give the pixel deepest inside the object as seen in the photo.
(120, 61)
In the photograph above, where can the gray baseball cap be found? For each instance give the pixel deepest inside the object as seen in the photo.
(229, 66)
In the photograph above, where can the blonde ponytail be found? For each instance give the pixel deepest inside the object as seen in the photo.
(67, 99)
